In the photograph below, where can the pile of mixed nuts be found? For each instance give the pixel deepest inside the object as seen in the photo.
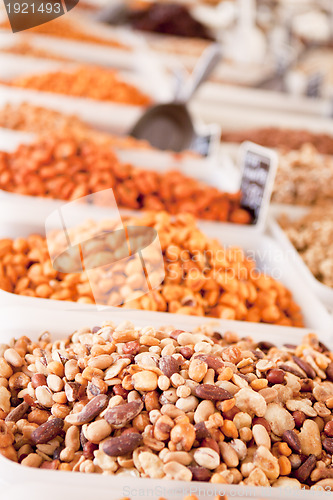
(165, 403)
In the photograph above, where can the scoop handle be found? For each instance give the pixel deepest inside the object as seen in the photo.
(201, 72)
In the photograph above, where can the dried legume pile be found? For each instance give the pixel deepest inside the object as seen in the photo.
(304, 177)
(69, 168)
(93, 82)
(62, 28)
(287, 139)
(165, 403)
(202, 277)
(312, 236)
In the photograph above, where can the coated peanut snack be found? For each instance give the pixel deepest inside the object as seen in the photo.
(202, 277)
(62, 28)
(94, 82)
(304, 177)
(312, 236)
(165, 403)
(72, 167)
(37, 119)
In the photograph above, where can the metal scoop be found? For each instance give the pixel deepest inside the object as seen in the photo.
(169, 126)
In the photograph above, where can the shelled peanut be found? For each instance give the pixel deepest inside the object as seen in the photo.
(312, 236)
(201, 276)
(93, 82)
(169, 404)
(70, 168)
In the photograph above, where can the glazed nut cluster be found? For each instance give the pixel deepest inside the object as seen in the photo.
(68, 168)
(312, 236)
(164, 403)
(304, 177)
(94, 82)
(202, 277)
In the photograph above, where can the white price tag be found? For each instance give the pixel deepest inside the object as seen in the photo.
(258, 166)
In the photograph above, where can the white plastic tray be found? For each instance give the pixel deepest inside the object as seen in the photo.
(269, 257)
(324, 292)
(34, 484)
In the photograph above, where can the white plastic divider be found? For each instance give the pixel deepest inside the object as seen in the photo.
(269, 256)
(23, 482)
(324, 292)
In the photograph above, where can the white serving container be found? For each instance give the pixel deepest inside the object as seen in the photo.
(22, 220)
(323, 292)
(34, 484)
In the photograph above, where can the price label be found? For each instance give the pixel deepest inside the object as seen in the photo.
(207, 140)
(31, 13)
(259, 167)
(314, 85)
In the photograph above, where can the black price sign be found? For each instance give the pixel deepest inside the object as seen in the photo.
(259, 169)
(202, 144)
(31, 13)
(314, 85)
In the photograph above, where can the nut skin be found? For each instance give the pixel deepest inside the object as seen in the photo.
(200, 473)
(168, 365)
(275, 376)
(47, 431)
(121, 415)
(120, 391)
(212, 392)
(306, 367)
(90, 411)
(291, 438)
(18, 412)
(329, 371)
(37, 380)
(88, 450)
(201, 431)
(328, 429)
(328, 445)
(122, 445)
(304, 471)
(299, 418)
(261, 421)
